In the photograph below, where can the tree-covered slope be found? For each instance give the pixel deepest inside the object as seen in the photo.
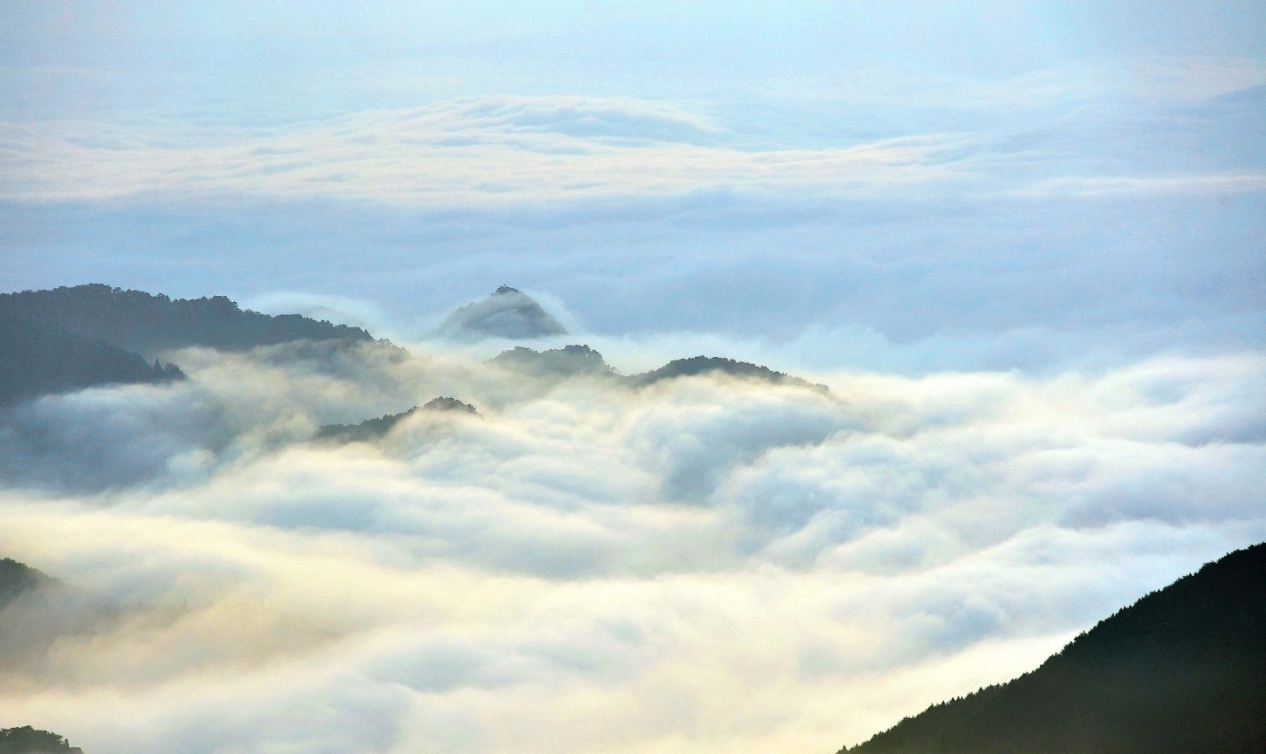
(28, 740)
(697, 365)
(36, 359)
(1182, 671)
(567, 361)
(146, 323)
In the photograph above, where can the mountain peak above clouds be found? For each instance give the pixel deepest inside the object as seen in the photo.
(562, 362)
(145, 323)
(508, 313)
(698, 365)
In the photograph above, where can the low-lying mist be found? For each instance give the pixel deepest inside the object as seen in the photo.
(588, 564)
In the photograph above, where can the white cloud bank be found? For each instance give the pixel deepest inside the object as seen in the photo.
(454, 155)
(702, 565)
(505, 151)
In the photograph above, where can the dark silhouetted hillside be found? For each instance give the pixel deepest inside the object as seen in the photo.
(371, 429)
(37, 359)
(145, 323)
(1181, 671)
(28, 740)
(709, 364)
(563, 362)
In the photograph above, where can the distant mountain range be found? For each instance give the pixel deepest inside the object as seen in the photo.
(72, 338)
(562, 363)
(1181, 671)
(579, 359)
(147, 324)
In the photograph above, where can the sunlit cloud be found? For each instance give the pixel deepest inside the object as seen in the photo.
(788, 567)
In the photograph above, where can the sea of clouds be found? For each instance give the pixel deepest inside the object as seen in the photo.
(702, 564)
(1020, 243)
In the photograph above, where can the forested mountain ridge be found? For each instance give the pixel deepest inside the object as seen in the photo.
(28, 740)
(147, 323)
(696, 365)
(1182, 670)
(562, 362)
(37, 359)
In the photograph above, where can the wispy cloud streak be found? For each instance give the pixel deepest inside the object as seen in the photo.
(500, 150)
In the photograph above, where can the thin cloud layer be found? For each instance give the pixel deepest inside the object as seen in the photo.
(1056, 220)
(508, 150)
(701, 564)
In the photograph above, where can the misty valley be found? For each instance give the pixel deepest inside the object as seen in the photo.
(205, 504)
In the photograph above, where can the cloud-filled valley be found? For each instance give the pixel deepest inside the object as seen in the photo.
(588, 565)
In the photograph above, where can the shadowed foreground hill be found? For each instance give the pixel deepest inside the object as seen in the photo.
(142, 322)
(1182, 671)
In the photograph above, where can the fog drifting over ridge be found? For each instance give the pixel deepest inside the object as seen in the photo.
(697, 565)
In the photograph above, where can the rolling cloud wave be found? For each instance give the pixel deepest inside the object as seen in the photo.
(585, 566)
